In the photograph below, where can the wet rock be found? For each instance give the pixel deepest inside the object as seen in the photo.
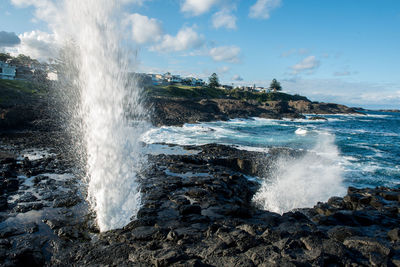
(200, 219)
(340, 233)
(318, 118)
(394, 234)
(66, 201)
(367, 246)
(11, 184)
(190, 209)
(22, 208)
(3, 203)
(7, 231)
(27, 197)
(54, 223)
(68, 233)
(143, 233)
(391, 196)
(27, 257)
(31, 228)
(38, 178)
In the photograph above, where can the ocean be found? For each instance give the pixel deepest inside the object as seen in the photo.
(345, 150)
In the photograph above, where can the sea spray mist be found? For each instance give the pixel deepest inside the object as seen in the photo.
(302, 182)
(104, 107)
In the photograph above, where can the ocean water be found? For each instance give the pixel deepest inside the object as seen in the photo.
(345, 150)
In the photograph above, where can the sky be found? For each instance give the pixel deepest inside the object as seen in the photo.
(343, 51)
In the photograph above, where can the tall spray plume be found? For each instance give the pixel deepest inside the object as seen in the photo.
(302, 182)
(107, 117)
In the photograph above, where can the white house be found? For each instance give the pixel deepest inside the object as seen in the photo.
(175, 79)
(7, 72)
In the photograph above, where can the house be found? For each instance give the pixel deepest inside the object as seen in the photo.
(157, 79)
(195, 81)
(247, 88)
(7, 72)
(175, 79)
(226, 87)
(24, 73)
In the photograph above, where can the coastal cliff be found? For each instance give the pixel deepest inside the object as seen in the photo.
(24, 105)
(178, 111)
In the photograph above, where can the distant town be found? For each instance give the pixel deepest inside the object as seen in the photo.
(146, 79)
(25, 68)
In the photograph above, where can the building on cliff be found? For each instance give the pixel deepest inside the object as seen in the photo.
(7, 72)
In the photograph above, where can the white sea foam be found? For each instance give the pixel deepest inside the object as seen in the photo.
(302, 182)
(300, 131)
(378, 116)
(35, 154)
(252, 148)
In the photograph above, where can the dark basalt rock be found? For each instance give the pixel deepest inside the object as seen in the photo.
(178, 111)
(318, 118)
(198, 213)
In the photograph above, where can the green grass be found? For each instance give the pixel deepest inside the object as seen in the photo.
(185, 91)
(16, 92)
(191, 92)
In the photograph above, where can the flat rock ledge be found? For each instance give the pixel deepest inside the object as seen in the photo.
(197, 211)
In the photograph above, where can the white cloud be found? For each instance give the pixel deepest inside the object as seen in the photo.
(186, 38)
(144, 29)
(8, 39)
(37, 44)
(197, 7)
(262, 8)
(225, 53)
(224, 19)
(237, 78)
(224, 69)
(308, 64)
(136, 2)
(44, 9)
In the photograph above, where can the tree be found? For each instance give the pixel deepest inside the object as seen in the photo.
(5, 57)
(275, 85)
(213, 80)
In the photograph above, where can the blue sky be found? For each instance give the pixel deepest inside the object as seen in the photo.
(344, 51)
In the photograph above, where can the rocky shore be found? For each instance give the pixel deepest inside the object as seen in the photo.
(197, 211)
(178, 111)
(39, 113)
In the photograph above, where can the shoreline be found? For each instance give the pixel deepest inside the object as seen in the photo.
(197, 210)
(197, 201)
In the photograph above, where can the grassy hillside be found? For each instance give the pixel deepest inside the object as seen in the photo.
(206, 92)
(18, 92)
(185, 91)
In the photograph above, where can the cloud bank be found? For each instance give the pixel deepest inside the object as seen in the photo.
(308, 64)
(8, 39)
(144, 29)
(225, 53)
(224, 19)
(197, 7)
(186, 38)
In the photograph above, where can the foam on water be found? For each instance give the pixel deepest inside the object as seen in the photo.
(302, 182)
(301, 131)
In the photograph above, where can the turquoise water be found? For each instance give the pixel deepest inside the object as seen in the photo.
(366, 147)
